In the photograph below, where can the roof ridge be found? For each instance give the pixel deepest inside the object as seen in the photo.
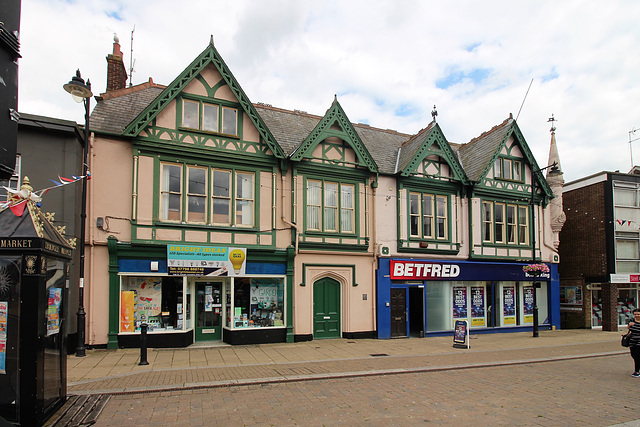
(420, 132)
(131, 89)
(315, 116)
(493, 129)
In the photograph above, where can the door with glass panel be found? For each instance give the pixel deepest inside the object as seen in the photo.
(208, 311)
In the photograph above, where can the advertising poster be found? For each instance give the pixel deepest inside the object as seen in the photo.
(193, 260)
(459, 302)
(264, 296)
(148, 298)
(477, 306)
(460, 334)
(527, 310)
(3, 336)
(127, 311)
(53, 311)
(509, 305)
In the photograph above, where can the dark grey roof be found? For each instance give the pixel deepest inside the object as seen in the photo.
(114, 114)
(290, 128)
(475, 154)
(409, 149)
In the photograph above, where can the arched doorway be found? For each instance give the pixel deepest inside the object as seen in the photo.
(326, 308)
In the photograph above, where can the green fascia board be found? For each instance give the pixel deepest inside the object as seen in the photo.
(348, 134)
(208, 56)
(436, 137)
(197, 154)
(514, 130)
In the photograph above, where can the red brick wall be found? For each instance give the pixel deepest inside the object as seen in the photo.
(583, 250)
(116, 73)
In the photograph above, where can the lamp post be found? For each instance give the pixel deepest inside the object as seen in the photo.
(81, 92)
(534, 173)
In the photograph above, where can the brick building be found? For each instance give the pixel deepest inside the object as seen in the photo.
(599, 251)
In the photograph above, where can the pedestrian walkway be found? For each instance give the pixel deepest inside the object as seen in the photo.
(217, 365)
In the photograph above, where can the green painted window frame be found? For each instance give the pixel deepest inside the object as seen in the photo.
(341, 208)
(436, 216)
(239, 196)
(508, 169)
(223, 125)
(499, 231)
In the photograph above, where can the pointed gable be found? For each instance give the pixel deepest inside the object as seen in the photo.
(478, 155)
(335, 123)
(209, 56)
(428, 142)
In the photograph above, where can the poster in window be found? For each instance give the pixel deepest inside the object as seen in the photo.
(527, 310)
(53, 311)
(148, 299)
(509, 305)
(3, 336)
(127, 311)
(477, 306)
(459, 302)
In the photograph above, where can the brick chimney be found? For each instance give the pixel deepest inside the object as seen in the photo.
(116, 72)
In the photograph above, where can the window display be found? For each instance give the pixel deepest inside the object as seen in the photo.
(156, 301)
(258, 302)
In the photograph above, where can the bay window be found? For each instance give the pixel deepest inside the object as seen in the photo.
(428, 216)
(504, 223)
(211, 195)
(330, 206)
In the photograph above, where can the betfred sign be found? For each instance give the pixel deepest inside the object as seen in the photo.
(422, 270)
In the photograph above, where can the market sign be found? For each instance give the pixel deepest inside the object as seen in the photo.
(625, 278)
(195, 260)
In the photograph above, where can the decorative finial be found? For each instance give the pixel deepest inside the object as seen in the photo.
(434, 113)
(26, 185)
(116, 38)
(552, 120)
(211, 40)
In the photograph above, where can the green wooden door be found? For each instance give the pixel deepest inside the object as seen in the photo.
(326, 308)
(208, 311)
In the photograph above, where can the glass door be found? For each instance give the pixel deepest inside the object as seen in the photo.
(208, 311)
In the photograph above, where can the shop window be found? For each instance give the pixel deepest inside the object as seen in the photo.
(157, 301)
(209, 117)
(627, 302)
(330, 206)
(257, 303)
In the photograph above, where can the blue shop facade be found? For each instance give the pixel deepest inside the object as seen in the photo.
(421, 297)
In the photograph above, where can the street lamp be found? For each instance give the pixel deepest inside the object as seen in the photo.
(82, 92)
(534, 173)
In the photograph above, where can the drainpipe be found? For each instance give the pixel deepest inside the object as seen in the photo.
(285, 220)
(373, 225)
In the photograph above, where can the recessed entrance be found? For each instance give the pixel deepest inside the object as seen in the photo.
(208, 311)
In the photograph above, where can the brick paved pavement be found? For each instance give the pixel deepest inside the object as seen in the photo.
(498, 381)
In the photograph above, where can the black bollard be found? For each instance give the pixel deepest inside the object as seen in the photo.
(143, 344)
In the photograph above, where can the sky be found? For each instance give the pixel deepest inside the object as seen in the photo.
(388, 62)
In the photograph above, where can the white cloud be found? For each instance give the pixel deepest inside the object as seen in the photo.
(383, 59)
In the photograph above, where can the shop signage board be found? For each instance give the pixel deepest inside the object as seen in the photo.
(196, 260)
(625, 278)
(444, 271)
(461, 334)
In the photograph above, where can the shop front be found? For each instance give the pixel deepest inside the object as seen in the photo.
(197, 293)
(417, 297)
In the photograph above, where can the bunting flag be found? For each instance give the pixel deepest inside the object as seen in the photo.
(628, 223)
(17, 200)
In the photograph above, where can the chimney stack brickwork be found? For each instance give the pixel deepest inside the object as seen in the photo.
(116, 71)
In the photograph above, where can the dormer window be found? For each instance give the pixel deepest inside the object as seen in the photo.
(510, 169)
(209, 117)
